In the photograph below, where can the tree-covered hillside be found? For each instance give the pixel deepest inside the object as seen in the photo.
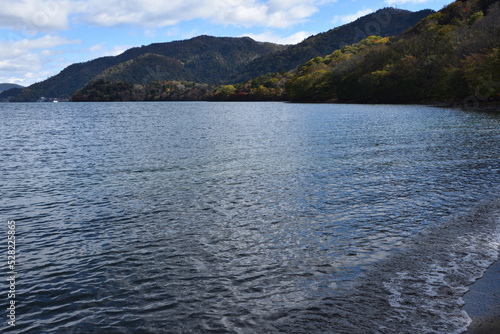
(448, 56)
(7, 86)
(216, 60)
(209, 59)
(8, 90)
(384, 22)
(102, 90)
(146, 68)
(452, 55)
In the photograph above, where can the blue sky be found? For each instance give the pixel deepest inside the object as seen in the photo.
(39, 38)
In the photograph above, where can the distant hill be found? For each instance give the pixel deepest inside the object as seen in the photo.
(216, 60)
(385, 22)
(7, 86)
(452, 55)
(8, 93)
(203, 58)
(146, 68)
(158, 64)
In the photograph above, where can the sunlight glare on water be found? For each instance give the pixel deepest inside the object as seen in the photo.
(225, 217)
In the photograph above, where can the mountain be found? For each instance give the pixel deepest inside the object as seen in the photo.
(452, 55)
(384, 22)
(388, 21)
(216, 60)
(148, 67)
(205, 58)
(7, 86)
(8, 90)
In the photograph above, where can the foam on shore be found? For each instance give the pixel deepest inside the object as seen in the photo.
(419, 288)
(431, 276)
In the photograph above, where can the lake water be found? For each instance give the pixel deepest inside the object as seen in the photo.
(247, 217)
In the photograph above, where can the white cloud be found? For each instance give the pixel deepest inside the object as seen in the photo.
(352, 17)
(33, 16)
(28, 60)
(274, 13)
(32, 50)
(97, 47)
(20, 47)
(101, 50)
(118, 49)
(158, 13)
(273, 38)
(402, 2)
(243, 15)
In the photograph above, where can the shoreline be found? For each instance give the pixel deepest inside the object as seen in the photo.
(482, 302)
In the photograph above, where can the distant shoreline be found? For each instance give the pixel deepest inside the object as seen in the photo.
(468, 104)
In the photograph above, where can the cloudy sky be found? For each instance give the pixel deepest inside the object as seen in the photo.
(39, 38)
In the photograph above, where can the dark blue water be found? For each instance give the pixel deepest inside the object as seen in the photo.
(247, 217)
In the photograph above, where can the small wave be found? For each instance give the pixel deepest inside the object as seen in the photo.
(436, 289)
(426, 282)
(419, 288)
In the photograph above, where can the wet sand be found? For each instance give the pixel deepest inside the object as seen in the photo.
(482, 303)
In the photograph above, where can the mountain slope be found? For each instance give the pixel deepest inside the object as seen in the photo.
(146, 68)
(235, 66)
(208, 58)
(450, 56)
(196, 61)
(453, 55)
(6, 95)
(7, 86)
(216, 60)
(384, 22)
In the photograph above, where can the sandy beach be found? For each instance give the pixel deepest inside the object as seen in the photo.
(482, 303)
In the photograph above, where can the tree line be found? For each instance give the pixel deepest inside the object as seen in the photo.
(447, 56)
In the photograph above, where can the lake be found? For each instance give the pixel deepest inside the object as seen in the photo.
(247, 217)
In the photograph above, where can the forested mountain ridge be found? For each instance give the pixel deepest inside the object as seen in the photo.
(215, 60)
(7, 90)
(7, 86)
(205, 57)
(387, 21)
(384, 22)
(451, 55)
(147, 67)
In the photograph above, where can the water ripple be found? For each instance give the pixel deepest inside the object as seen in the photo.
(243, 218)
